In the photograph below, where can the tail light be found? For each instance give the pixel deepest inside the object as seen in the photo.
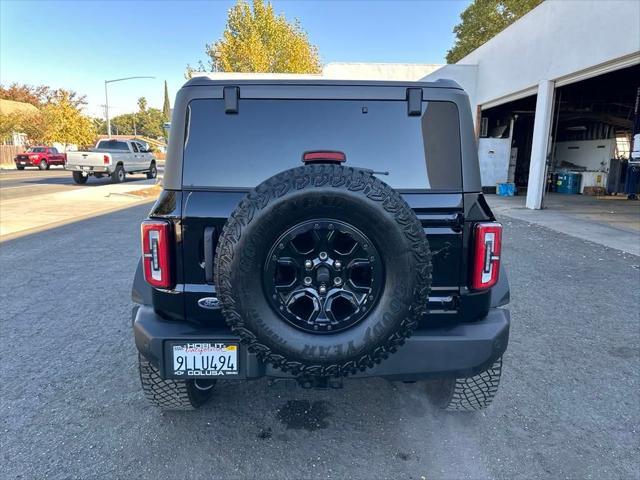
(105, 159)
(156, 253)
(486, 260)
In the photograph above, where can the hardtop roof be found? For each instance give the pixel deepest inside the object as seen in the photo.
(204, 80)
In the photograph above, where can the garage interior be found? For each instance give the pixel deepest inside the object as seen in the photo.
(591, 132)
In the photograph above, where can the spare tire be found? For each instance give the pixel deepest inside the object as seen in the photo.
(323, 270)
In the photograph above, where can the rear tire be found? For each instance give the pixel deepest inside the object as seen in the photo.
(43, 165)
(153, 171)
(466, 394)
(79, 178)
(20, 167)
(171, 394)
(118, 175)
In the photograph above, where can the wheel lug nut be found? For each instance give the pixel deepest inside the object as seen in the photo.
(322, 289)
(307, 281)
(308, 264)
(323, 255)
(337, 281)
(337, 264)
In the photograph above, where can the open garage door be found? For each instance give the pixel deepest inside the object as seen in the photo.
(591, 131)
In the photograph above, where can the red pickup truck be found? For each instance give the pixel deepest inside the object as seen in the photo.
(41, 157)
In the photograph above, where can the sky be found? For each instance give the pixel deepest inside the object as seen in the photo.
(79, 44)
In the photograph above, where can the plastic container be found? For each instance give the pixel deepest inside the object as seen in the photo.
(506, 189)
(569, 182)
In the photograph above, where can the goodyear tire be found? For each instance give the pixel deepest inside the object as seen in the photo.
(341, 206)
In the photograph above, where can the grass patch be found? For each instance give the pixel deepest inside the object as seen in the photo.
(149, 192)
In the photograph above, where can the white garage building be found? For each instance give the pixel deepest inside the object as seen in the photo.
(557, 88)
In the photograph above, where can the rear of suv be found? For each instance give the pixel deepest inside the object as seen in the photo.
(316, 230)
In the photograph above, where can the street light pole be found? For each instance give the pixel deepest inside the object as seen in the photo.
(106, 109)
(106, 98)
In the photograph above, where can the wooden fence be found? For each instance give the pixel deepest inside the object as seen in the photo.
(7, 152)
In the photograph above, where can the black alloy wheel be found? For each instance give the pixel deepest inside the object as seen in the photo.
(323, 276)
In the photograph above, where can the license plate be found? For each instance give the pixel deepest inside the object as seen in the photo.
(86, 168)
(204, 359)
(23, 163)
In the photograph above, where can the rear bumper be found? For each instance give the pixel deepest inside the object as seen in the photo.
(462, 350)
(88, 169)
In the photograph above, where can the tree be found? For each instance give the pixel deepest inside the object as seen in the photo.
(100, 124)
(65, 124)
(257, 40)
(40, 95)
(166, 106)
(150, 122)
(124, 124)
(25, 93)
(484, 19)
(69, 96)
(59, 118)
(146, 122)
(30, 123)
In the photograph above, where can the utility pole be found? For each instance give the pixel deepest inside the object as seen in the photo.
(106, 109)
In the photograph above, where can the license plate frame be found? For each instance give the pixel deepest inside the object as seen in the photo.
(196, 355)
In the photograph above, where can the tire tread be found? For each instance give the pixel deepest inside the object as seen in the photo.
(165, 393)
(477, 392)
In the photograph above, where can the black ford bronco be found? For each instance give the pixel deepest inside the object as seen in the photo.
(315, 230)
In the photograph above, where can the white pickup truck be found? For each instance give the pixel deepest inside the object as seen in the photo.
(115, 158)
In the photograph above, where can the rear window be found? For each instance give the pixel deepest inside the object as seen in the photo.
(37, 150)
(268, 136)
(112, 145)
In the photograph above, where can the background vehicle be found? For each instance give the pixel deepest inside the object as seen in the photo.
(376, 256)
(116, 158)
(41, 157)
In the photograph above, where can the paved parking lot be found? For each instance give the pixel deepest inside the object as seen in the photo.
(71, 406)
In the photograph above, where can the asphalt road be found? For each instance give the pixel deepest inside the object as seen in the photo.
(71, 405)
(29, 183)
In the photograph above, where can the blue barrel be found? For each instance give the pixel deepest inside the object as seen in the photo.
(569, 182)
(506, 189)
